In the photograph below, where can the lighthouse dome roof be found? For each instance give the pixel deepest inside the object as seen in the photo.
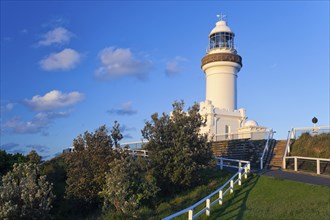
(221, 26)
(250, 123)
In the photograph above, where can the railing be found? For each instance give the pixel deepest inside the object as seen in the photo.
(140, 153)
(254, 135)
(134, 145)
(221, 191)
(318, 162)
(266, 149)
(287, 147)
(295, 133)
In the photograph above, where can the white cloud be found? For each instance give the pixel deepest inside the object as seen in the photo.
(58, 36)
(39, 123)
(121, 62)
(173, 67)
(53, 100)
(125, 109)
(65, 60)
(6, 107)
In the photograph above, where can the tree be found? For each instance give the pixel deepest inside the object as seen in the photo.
(87, 164)
(128, 185)
(116, 134)
(7, 161)
(177, 149)
(25, 194)
(33, 157)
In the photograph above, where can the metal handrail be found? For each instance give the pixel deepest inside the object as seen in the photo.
(287, 148)
(315, 128)
(270, 136)
(207, 199)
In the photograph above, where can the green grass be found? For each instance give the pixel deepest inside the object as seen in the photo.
(262, 197)
(187, 198)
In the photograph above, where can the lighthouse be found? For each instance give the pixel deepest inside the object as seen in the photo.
(221, 66)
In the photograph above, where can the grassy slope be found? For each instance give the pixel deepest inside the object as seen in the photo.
(264, 197)
(312, 146)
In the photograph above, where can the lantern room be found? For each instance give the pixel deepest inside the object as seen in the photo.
(221, 37)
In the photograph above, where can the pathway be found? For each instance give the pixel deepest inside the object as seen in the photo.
(299, 177)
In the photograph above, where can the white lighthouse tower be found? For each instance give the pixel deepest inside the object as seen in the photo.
(221, 65)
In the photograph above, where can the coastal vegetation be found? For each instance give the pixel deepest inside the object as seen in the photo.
(99, 178)
(308, 145)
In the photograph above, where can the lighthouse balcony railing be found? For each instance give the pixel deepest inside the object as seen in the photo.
(253, 135)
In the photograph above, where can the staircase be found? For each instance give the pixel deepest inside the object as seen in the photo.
(277, 155)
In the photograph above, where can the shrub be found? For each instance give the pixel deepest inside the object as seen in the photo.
(128, 185)
(176, 148)
(25, 194)
(312, 146)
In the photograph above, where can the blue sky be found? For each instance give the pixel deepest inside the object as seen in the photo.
(68, 67)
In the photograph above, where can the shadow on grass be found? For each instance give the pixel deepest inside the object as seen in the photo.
(234, 206)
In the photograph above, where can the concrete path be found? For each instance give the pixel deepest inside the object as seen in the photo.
(299, 177)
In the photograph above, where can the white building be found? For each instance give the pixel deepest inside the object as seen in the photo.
(221, 65)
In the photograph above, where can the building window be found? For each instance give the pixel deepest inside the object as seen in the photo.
(227, 132)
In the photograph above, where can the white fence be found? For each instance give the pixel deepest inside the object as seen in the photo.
(295, 133)
(140, 153)
(253, 135)
(134, 145)
(318, 162)
(221, 192)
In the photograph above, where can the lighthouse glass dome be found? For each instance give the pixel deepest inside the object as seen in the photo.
(222, 40)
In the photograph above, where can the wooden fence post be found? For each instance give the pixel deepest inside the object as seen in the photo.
(190, 214)
(208, 207)
(239, 178)
(220, 197)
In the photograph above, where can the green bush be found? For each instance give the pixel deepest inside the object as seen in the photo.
(177, 150)
(128, 185)
(312, 145)
(24, 194)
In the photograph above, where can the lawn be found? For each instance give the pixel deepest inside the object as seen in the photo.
(262, 197)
